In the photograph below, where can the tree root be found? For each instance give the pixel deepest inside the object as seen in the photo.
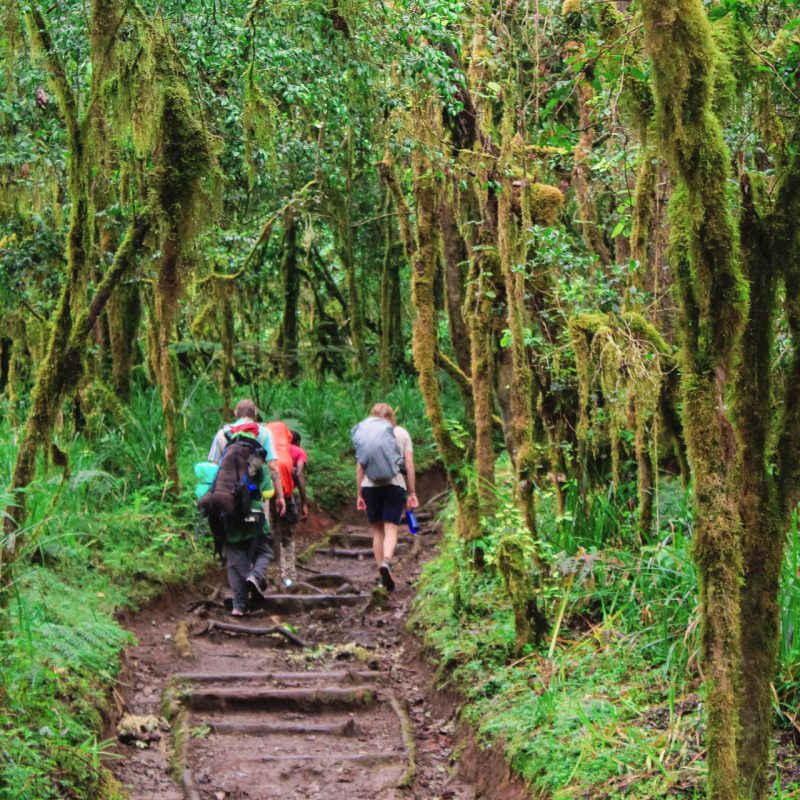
(407, 733)
(229, 627)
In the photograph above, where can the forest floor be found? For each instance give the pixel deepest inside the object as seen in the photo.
(210, 713)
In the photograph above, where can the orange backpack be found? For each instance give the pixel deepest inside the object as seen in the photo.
(281, 441)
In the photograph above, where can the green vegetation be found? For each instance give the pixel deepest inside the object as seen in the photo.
(563, 232)
(610, 705)
(102, 537)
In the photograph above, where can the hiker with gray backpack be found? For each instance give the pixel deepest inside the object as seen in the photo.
(383, 454)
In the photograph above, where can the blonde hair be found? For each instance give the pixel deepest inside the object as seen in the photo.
(384, 410)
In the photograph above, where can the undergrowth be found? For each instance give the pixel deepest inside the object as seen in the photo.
(609, 703)
(105, 535)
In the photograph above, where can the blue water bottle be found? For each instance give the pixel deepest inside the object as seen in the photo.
(411, 521)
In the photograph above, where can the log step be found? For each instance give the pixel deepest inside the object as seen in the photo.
(330, 676)
(347, 729)
(352, 758)
(298, 603)
(272, 699)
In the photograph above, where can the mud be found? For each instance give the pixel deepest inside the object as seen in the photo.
(258, 716)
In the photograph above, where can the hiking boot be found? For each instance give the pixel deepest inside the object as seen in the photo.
(253, 589)
(386, 576)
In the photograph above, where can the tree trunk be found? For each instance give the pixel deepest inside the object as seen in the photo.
(290, 281)
(391, 359)
(124, 316)
(521, 383)
(454, 252)
(713, 301)
(58, 374)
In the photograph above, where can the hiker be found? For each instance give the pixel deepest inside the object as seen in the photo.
(246, 547)
(285, 525)
(383, 453)
(299, 462)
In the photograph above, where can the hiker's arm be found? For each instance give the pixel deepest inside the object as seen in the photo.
(301, 487)
(360, 504)
(280, 500)
(411, 480)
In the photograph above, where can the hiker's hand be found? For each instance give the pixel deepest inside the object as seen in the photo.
(361, 504)
(412, 502)
(304, 512)
(280, 506)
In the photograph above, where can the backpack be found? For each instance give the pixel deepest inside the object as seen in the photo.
(282, 441)
(377, 449)
(228, 504)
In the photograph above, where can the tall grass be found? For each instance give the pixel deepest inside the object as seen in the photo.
(614, 708)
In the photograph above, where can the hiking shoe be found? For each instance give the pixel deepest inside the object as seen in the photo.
(237, 612)
(253, 589)
(386, 576)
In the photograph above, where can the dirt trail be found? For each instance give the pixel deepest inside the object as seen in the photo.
(258, 716)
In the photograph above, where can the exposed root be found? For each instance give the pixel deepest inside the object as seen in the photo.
(247, 630)
(407, 733)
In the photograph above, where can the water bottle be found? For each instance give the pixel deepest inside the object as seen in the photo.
(411, 521)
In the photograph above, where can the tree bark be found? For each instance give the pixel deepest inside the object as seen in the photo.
(714, 301)
(290, 281)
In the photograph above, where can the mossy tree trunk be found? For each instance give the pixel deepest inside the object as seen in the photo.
(226, 291)
(184, 159)
(290, 283)
(421, 246)
(59, 374)
(714, 301)
(770, 245)
(515, 564)
(512, 257)
(454, 256)
(344, 238)
(392, 348)
(124, 316)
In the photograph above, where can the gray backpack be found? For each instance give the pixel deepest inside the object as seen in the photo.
(377, 449)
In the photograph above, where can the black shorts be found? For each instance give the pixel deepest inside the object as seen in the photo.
(385, 503)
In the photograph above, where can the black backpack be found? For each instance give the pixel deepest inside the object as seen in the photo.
(228, 504)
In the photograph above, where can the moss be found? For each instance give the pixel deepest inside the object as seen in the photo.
(625, 360)
(546, 203)
(714, 301)
(514, 563)
(571, 7)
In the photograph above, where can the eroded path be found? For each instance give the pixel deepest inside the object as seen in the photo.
(260, 716)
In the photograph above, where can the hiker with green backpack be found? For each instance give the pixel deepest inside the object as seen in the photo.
(235, 502)
(385, 482)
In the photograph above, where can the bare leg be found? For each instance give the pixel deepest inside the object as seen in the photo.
(389, 540)
(377, 541)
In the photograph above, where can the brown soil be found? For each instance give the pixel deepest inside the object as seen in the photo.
(252, 715)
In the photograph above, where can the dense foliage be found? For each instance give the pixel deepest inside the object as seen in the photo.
(564, 233)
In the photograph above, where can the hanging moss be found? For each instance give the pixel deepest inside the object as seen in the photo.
(258, 115)
(624, 360)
